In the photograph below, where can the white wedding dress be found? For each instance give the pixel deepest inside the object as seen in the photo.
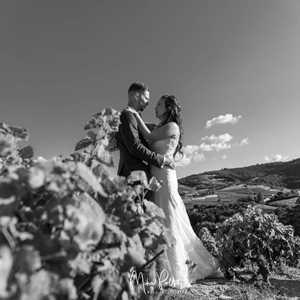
(188, 247)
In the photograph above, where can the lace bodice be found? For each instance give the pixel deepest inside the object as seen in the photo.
(166, 146)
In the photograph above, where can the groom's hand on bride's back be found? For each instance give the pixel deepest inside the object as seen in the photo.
(168, 163)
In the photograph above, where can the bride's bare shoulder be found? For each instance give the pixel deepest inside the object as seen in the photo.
(170, 130)
(172, 127)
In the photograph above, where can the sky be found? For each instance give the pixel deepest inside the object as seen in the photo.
(233, 64)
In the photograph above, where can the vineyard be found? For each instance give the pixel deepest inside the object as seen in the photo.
(71, 229)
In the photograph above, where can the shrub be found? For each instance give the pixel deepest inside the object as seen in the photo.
(69, 229)
(257, 242)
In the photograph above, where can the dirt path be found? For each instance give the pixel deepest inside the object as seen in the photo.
(283, 287)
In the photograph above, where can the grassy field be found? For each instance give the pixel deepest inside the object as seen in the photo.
(236, 192)
(285, 202)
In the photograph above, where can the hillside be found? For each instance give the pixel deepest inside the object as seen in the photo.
(277, 174)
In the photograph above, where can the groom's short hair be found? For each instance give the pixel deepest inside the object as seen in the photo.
(138, 87)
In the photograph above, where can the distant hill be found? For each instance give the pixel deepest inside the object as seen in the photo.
(277, 174)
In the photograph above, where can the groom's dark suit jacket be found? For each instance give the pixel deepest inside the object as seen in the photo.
(134, 154)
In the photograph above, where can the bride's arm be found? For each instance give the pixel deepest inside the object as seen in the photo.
(160, 133)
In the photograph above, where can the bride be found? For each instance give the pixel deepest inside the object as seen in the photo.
(166, 139)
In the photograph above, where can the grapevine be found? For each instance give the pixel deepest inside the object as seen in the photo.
(69, 228)
(256, 242)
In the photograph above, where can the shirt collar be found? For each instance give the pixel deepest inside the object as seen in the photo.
(131, 109)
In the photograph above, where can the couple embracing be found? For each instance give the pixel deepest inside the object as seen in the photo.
(152, 148)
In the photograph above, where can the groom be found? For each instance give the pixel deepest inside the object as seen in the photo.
(134, 153)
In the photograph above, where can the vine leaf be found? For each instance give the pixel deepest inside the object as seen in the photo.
(87, 175)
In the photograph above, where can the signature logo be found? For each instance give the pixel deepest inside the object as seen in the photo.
(161, 280)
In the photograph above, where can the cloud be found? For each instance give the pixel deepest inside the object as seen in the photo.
(217, 143)
(215, 146)
(196, 153)
(198, 157)
(276, 158)
(206, 147)
(226, 137)
(244, 141)
(184, 161)
(223, 119)
(190, 153)
(190, 149)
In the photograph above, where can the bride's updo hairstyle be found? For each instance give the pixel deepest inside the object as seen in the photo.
(174, 114)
